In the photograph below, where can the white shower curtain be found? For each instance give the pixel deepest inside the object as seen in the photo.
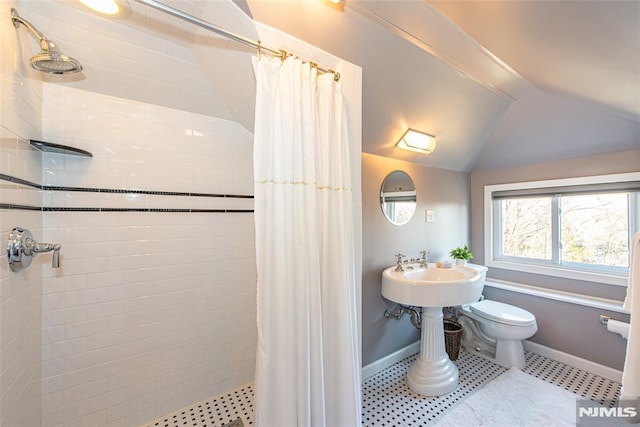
(307, 368)
(631, 373)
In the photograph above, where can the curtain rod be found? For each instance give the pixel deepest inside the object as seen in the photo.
(283, 54)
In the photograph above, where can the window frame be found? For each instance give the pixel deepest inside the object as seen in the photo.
(492, 241)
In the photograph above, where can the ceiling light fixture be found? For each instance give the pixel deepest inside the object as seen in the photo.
(334, 4)
(418, 142)
(114, 8)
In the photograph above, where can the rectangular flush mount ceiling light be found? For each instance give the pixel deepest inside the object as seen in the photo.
(419, 142)
(113, 8)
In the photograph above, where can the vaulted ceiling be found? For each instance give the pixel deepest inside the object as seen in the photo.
(499, 83)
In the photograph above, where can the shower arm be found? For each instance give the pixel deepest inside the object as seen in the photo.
(45, 43)
(17, 20)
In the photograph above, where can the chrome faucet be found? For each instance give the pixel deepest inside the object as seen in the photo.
(399, 262)
(424, 260)
(21, 248)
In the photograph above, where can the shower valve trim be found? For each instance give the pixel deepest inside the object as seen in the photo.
(21, 248)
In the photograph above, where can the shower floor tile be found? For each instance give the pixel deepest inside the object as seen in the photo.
(386, 400)
(223, 410)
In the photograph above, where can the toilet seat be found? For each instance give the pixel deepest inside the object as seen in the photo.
(502, 313)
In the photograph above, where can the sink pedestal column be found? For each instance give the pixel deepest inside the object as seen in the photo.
(432, 374)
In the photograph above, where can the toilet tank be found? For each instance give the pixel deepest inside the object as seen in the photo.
(481, 269)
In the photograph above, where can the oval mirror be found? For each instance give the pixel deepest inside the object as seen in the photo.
(398, 197)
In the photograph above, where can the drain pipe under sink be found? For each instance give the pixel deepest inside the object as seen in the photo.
(397, 312)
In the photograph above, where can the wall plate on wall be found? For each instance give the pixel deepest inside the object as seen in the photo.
(429, 216)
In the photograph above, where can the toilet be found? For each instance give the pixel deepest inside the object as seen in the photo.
(495, 331)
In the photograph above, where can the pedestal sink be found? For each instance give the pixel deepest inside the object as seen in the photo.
(433, 374)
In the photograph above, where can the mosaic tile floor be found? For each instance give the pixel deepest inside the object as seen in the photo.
(387, 401)
(220, 411)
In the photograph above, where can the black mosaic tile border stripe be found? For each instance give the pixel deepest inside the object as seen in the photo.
(20, 207)
(15, 180)
(80, 209)
(21, 181)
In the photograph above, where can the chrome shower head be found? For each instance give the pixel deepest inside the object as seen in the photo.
(50, 59)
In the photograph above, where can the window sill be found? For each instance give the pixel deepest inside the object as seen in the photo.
(568, 297)
(565, 273)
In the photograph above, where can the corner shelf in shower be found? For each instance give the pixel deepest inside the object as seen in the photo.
(49, 147)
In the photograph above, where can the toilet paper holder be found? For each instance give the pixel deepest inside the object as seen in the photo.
(604, 319)
(615, 326)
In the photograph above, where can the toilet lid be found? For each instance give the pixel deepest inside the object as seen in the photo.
(502, 313)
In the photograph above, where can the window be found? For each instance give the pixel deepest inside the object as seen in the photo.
(576, 228)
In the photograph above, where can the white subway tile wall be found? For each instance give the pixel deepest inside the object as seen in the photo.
(149, 311)
(167, 150)
(146, 59)
(20, 293)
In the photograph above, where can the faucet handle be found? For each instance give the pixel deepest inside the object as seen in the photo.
(55, 260)
(399, 262)
(424, 260)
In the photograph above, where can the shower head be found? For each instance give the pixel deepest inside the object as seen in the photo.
(50, 59)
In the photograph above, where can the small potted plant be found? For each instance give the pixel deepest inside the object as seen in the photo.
(461, 254)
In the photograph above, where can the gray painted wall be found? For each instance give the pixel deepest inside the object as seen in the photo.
(446, 193)
(566, 327)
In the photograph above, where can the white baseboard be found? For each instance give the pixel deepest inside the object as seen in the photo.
(578, 362)
(381, 364)
(587, 365)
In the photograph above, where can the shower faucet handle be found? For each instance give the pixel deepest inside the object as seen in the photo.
(50, 247)
(55, 259)
(21, 248)
(39, 248)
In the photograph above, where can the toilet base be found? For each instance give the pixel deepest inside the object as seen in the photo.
(507, 353)
(498, 342)
(510, 353)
